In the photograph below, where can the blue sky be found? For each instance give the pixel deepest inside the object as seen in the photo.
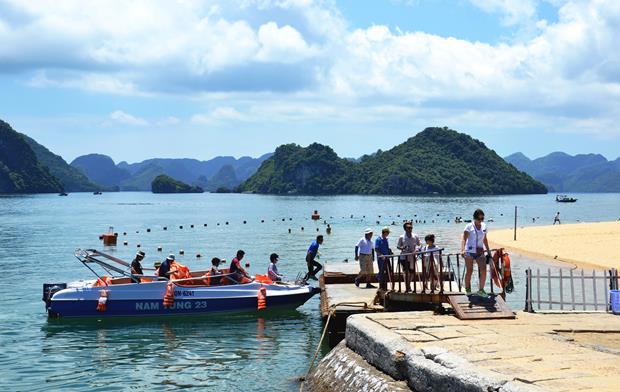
(204, 78)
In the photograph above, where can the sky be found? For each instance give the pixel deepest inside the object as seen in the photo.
(149, 78)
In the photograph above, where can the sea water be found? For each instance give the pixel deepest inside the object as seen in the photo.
(39, 233)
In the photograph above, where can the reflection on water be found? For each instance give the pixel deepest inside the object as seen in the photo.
(38, 235)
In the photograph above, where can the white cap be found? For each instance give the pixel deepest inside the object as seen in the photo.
(368, 231)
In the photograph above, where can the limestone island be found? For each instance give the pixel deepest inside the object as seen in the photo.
(166, 184)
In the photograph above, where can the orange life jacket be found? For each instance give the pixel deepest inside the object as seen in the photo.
(169, 296)
(182, 271)
(263, 279)
(103, 281)
(103, 299)
(262, 298)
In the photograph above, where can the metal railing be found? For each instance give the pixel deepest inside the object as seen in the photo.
(435, 272)
(573, 290)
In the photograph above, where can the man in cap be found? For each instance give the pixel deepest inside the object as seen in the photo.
(365, 254)
(136, 267)
(164, 268)
(382, 247)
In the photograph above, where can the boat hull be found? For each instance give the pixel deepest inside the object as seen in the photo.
(138, 300)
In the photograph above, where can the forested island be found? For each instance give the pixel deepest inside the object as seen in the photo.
(435, 161)
(166, 184)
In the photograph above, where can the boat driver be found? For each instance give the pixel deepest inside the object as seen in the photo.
(164, 268)
(136, 267)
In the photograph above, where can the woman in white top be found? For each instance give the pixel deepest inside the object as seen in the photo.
(473, 247)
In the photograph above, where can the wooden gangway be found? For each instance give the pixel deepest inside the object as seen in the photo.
(473, 307)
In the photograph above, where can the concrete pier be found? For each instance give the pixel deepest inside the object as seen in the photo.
(550, 352)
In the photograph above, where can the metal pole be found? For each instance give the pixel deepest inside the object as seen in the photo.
(515, 236)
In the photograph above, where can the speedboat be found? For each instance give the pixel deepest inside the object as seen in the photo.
(109, 296)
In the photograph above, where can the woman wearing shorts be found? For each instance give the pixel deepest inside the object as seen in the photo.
(473, 247)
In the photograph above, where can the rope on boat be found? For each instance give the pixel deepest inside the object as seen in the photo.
(332, 311)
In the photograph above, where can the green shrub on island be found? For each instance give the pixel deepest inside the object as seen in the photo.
(435, 161)
(166, 184)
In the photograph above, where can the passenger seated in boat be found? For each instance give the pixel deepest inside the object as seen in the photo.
(136, 267)
(165, 269)
(237, 272)
(214, 272)
(272, 271)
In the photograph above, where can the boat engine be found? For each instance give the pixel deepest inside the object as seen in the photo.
(49, 289)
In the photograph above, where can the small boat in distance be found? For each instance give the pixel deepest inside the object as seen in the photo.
(564, 199)
(63, 194)
(97, 193)
(202, 293)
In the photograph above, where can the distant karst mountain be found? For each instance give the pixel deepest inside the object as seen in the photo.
(435, 161)
(72, 179)
(227, 172)
(20, 169)
(100, 169)
(166, 184)
(562, 172)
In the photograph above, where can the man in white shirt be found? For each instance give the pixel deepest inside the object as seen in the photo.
(409, 242)
(365, 254)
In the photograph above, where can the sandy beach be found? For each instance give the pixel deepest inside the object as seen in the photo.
(586, 245)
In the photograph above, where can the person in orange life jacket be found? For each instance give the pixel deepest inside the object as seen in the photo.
(272, 271)
(238, 273)
(136, 267)
(164, 268)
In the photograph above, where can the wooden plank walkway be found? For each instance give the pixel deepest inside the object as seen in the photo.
(473, 307)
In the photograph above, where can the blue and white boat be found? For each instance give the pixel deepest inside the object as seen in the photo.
(120, 296)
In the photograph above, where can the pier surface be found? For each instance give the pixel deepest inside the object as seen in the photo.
(551, 352)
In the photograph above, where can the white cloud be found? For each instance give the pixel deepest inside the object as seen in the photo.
(127, 119)
(218, 115)
(282, 60)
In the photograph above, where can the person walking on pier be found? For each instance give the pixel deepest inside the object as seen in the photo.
(473, 246)
(408, 243)
(365, 254)
(382, 248)
(313, 266)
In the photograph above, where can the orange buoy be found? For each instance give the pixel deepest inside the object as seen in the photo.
(262, 298)
(103, 300)
(109, 239)
(169, 296)
(315, 215)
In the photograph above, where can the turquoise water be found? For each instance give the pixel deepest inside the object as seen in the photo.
(38, 235)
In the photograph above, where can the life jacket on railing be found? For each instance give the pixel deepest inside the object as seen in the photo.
(169, 296)
(182, 271)
(262, 298)
(103, 300)
(103, 281)
(502, 278)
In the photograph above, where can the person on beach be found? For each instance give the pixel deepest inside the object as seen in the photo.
(473, 244)
(136, 267)
(313, 266)
(556, 219)
(409, 242)
(272, 270)
(237, 272)
(430, 261)
(382, 248)
(365, 254)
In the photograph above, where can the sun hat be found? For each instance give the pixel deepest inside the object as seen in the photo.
(170, 257)
(368, 231)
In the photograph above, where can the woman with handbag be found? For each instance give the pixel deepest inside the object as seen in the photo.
(473, 245)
